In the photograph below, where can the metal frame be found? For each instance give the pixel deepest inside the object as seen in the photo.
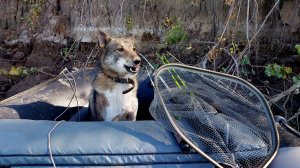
(275, 141)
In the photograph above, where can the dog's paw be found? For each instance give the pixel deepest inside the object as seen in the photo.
(128, 116)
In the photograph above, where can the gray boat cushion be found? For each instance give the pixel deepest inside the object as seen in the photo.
(24, 143)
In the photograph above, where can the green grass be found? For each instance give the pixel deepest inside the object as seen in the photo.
(176, 34)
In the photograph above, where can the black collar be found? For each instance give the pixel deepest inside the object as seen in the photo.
(124, 81)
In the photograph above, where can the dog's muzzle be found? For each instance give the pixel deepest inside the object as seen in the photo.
(135, 68)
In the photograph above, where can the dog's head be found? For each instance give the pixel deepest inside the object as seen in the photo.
(120, 57)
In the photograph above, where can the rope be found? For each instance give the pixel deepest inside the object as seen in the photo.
(74, 88)
(49, 143)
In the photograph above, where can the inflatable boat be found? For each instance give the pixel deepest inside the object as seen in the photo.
(46, 126)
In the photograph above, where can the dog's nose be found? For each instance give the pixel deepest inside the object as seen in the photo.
(137, 62)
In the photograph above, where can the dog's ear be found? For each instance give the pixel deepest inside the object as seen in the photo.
(103, 39)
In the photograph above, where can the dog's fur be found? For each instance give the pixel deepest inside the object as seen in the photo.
(107, 100)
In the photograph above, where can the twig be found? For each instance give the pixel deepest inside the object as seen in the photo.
(204, 61)
(147, 61)
(286, 100)
(162, 80)
(235, 63)
(238, 13)
(228, 19)
(9, 60)
(258, 31)
(121, 12)
(144, 9)
(88, 58)
(285, 93)
(41, 71)
(82, 9)
(282, 109)
(296, 115)
(202, 42)
(247, 20)
(174, 57)
(46, 73)
(152, 82)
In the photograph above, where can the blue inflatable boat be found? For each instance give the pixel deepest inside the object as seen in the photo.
(29, 136)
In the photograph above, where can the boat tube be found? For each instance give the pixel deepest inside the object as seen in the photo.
(30, 137)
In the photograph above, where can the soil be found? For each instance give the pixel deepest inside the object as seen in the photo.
(51, 58)
(47, 58)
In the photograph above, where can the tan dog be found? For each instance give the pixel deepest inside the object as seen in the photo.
(114, 89)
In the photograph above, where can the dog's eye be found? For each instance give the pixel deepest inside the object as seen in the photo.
(134, 49)
(120, 49)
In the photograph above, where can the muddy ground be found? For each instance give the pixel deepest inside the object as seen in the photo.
(44, 60)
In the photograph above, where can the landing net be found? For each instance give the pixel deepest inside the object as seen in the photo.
(223, 118)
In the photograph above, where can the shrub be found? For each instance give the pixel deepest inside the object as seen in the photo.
(176, 34)
(278, 71)
(297, 47)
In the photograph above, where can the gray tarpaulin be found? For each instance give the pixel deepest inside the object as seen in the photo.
(49, 99)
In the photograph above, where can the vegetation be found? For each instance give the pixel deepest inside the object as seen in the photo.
(246, 68)
(176, 34)
(70, 52)
(296, 78)
(229, 54)
(278, 71)
(35, 10)
(129, 23)
(19, 71)
(297, 47)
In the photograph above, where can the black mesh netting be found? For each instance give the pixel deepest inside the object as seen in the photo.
(222, 116)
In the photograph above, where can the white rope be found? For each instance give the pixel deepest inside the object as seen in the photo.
(74, 88)
(49, 143)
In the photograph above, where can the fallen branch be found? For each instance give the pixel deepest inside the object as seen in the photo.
(46, 73)
(174, 57)
(8, 60)
(284, 94)
(296, 115)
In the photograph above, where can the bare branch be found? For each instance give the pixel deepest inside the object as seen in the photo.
(296, 115)
(262, 25)
(285, 93)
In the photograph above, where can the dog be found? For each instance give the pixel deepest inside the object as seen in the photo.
(114, 94)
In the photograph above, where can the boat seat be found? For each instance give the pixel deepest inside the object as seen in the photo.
(103, 144)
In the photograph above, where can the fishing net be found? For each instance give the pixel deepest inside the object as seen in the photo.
(223, 118)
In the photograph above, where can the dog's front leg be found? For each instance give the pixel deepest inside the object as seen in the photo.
(98, 104)
(127, 116)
